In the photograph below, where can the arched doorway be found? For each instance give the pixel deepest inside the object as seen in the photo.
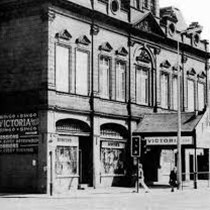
(73, 154)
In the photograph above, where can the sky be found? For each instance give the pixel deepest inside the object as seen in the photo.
(193, 11)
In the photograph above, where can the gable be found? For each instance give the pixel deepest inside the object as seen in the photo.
(149, 24)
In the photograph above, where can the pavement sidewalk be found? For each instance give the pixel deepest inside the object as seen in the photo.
(108, 192)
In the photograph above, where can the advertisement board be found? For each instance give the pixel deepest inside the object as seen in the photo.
(19, 133)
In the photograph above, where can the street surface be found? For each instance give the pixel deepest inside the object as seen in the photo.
(122, 199)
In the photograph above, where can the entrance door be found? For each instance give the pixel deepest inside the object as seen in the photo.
(85, 161)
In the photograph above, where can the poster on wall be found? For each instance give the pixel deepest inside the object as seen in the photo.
(112, 157)
(19, 133)
(66, 160)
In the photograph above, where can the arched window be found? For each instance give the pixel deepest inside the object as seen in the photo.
(142, 73)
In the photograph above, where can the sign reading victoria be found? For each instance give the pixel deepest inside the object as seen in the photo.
(19, 133)
(168, 140)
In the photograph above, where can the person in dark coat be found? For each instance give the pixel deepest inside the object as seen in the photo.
(173, 179)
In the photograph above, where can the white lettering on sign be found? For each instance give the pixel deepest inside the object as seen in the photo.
(69, 141)
(169, 140)
(112, 144)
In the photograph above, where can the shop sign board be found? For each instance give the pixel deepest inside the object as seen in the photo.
(68, 140)
(168, 140)
(19, 133)
(113, 144)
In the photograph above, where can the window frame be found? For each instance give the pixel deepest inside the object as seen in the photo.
(173, 97)
(88, 71)
(58, 44)
(125, 82)
(147, 69)
(194, 89)
(109, 76)
(204, 94)
(168, 88)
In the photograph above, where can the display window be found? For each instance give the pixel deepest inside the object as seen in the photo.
(66, 160)
(112, 158)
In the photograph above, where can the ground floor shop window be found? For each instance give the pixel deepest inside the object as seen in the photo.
(66, 160)
(112, 158)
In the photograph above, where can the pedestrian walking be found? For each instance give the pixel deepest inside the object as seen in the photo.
(173, 179)
(141, 178)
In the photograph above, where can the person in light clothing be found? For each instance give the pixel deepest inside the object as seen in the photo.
(141, 179)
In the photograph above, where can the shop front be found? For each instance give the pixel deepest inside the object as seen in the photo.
(73, 156)
(113, 155)
(159, 146)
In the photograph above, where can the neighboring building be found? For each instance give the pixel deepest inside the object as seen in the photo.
(78, 78)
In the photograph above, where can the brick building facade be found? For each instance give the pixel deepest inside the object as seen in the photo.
(78, 78)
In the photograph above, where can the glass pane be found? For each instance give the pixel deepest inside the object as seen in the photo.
(66, 160)
(62, 69)
(120, 81)
(191, 95)
(164, 91)
(142, 86)
(112, 161)
(200, 96)
(81, 73)
(104, 77)
(175, 93)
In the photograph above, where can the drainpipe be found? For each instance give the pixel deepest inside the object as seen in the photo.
(195, 161)
(51, 174)
(93, 31)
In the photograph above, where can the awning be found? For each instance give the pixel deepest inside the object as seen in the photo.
(161, 125)
(166, 123)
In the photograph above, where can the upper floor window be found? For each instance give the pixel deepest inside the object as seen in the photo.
(104, 74)
(164, 80)
(120, 80)
(62, 68)
(201, 98)
(174, 92)
(190, 95)
(81, 73)
(152, 6)
(145, 3)
(136, 4)
(142, 84)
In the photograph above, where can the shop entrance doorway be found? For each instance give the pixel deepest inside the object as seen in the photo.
(85, 161)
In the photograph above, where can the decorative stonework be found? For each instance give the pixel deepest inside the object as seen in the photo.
(94, 30)
(202, 75)
(165, 64)
(64, 34)
(175, 68)
(184, 59)
(131, 43)
(191, 72)
(47, 15)
(157, 51)
(143, 57)
(106, 47)
(122, 51)
(149, 25)
(83, 40)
